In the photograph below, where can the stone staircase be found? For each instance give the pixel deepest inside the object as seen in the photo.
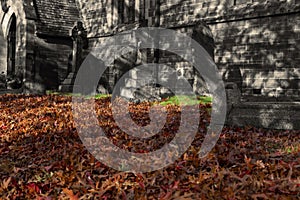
(68, 83)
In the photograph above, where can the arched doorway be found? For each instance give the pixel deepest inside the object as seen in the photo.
(11, 46)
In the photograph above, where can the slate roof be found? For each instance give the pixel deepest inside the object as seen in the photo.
(56, 17)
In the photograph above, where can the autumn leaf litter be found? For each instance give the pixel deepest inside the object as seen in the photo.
(42, 157)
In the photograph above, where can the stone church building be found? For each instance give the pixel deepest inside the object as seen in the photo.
(255, 44)
(34, 41)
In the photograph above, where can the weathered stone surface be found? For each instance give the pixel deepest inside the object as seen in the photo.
(266, 115)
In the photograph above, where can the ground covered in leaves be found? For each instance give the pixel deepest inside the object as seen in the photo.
(42, 157)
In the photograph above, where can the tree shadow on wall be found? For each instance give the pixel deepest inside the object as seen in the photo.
(49, 75)
(265, 49)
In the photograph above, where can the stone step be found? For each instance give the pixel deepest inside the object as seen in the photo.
(68, 81)
(127, 92)
(65, 88)
(67, 84)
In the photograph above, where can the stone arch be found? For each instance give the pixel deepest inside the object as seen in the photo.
(13, 37)
(11, 45)
(8, 25)
(202, 34)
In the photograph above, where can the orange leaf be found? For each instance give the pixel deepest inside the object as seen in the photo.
(6, 183)
(70, 194)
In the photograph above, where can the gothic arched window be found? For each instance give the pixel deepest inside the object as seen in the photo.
(11, 48)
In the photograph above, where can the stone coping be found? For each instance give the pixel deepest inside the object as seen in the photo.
(269, 115)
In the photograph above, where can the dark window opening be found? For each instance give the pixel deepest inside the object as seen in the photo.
(126, 10)
(131, 11)
(121, 10)
(142, 10)
(11, 50)
(257, 91)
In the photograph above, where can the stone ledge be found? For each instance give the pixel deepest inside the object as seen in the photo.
(12, 91)
(283, 115)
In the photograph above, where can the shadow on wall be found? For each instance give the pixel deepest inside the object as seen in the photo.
(266, 51)
(261, 54)
(51, 61)
(43, 77)
(49, 75)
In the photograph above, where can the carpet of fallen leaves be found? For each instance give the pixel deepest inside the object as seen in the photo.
(42, 157)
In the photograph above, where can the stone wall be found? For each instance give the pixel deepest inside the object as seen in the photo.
(266, 53)
(110, 23)
(259, 39)
(255, 39)
(99, 17)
